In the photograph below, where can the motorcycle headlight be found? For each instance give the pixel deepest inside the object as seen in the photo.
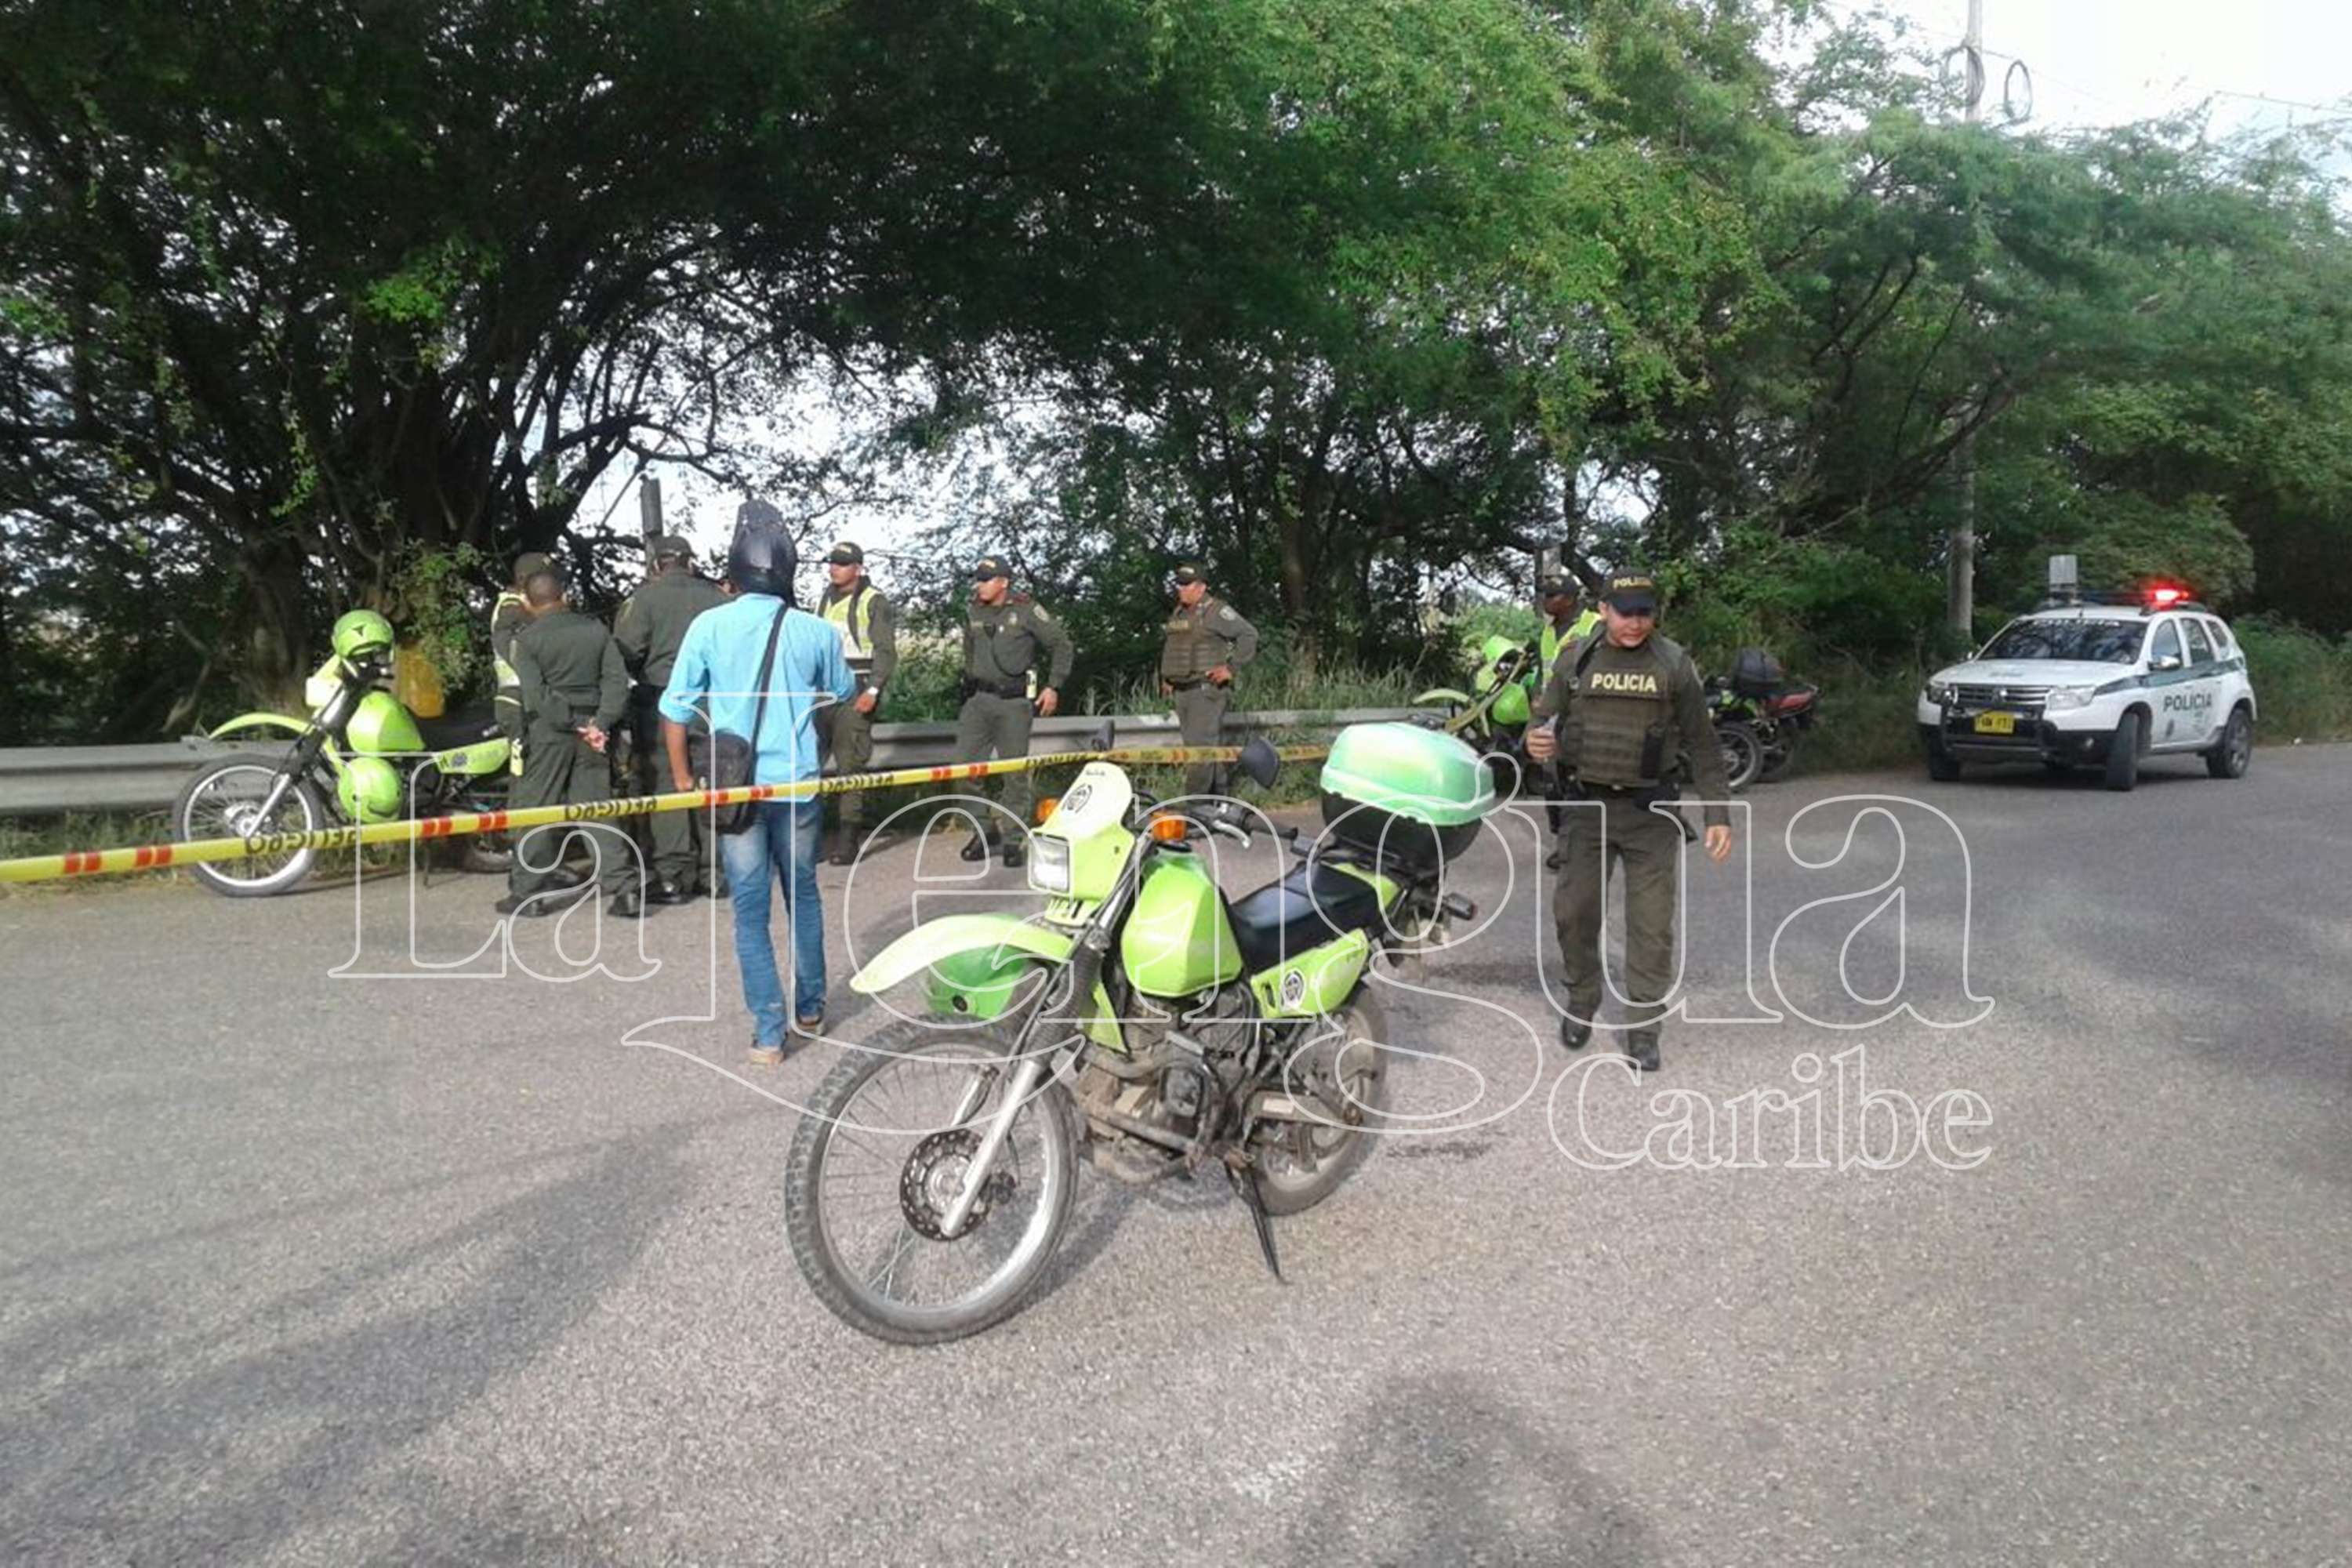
(2062, 698)
(1049, 865)
(1939, 693)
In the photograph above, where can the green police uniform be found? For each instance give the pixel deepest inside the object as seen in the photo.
(571, 673)
(861, 616)
(1633, 724)
(1003, 645)
(649, 630)
(1195, 641)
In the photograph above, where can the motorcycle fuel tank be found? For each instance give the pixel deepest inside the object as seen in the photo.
(1177, 941)
(380, 725)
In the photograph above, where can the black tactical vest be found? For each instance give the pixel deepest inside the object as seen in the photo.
(1618, 731)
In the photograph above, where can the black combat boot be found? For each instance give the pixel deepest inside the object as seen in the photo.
(1575, 1036)
(1014, 855)
(974, 848)
(1644, 1049)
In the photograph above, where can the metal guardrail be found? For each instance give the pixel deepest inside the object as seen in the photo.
(38, 781)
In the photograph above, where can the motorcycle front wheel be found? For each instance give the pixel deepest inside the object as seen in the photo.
(224, 800)
(1742, 756)
(880, 1153)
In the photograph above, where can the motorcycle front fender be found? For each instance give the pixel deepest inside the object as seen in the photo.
(298, 727)
(974, 965)
(1443, 694)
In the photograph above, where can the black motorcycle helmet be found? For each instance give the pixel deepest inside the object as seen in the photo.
(762, 558)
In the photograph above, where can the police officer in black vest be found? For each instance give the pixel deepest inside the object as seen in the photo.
(1010, 645)
(1204, 642)
(651, 626)
(574, 689)
(1625, 714)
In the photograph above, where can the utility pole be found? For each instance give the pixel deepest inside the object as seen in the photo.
(649, 513)
(1960, 555)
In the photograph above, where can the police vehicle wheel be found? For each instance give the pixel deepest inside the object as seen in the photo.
(1742, 754)
(1343, 1066)
(2235, 753)
(2123, 755)
(1942, 766)
(224, 800)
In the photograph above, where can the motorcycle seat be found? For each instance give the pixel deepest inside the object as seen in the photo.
(462, 729)
(1307, 909)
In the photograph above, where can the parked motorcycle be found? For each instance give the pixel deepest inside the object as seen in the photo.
(1143, 1015)
(1493, 715)
(1760, 717)
(358, 757)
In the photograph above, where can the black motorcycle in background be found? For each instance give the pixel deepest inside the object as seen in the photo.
(1759, 716)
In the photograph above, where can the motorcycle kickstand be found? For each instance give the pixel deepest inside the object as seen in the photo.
(1245, 1182)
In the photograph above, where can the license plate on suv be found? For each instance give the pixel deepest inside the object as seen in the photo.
(1996, 724)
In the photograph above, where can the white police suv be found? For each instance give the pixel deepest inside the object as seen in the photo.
(2106, 684)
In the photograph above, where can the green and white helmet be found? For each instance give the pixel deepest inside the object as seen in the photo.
(362, 634)
(369, 790)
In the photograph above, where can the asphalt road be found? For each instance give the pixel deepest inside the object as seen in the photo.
(299, 1268)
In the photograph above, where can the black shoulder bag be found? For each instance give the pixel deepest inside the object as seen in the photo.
(722, 758)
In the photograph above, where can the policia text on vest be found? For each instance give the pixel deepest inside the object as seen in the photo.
(1626, 715)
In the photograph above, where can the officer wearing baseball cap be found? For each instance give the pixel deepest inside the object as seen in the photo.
(862, 615)
(649, 630)
(1203, 643)
(1625, 715)
(1564, 622)
(1006, 639)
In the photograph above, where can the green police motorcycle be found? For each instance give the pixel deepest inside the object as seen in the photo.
(360, 756)
(1141, 1016)
(1493, 715)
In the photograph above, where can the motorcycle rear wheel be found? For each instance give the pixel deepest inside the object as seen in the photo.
(1743, 757)
(873, 1158)
(1350, 1050)
(221, 802)
(1778, 758)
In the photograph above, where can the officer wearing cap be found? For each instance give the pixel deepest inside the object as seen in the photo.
(1564, 624)
(575, 689)
(1625, 715)
(867, 626)
(1203, 643)
(649, 630)
(508, 617)
(1006, 637)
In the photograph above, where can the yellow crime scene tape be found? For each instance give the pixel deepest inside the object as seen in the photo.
(156, 857)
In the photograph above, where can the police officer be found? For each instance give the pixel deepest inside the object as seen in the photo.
(1564, 624)
(508, 617)
(1205, 641)
(1006, 636)
(868, 627)
(651, 626)
(574, 689)
(1626, 716)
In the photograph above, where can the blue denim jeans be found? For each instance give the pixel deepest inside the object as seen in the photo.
(781, 843)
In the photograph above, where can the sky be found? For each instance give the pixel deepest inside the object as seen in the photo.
(2261, 64)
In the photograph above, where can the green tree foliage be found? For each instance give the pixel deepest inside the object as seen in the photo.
(307, 305)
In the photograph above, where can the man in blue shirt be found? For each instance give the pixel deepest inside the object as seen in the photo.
(718, 676)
